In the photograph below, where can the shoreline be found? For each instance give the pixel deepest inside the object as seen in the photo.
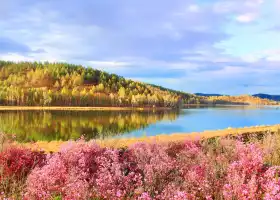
(61, 108)
(93, 108)
(162, 138)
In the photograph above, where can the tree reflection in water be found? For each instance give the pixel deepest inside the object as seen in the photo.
(65, 125)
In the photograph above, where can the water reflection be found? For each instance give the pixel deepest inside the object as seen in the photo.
(65, 125)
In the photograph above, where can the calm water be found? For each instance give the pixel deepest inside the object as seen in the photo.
(64, 125)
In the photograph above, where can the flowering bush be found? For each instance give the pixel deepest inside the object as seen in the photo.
(84, 170)
(66, 173)
(249, 178)
(242, 176)
(18, 162)
(210, 169)
(15, 164)
(270, 183)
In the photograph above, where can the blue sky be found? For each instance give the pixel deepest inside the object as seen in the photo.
(218, 46)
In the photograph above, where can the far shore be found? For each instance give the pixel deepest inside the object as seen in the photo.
(3, 108)
(79, 108)
(163, 138)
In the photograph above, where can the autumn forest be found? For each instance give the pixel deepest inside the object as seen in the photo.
(61, 84)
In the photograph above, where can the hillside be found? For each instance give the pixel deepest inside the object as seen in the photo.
(62, 84)
(262, 96)
(267, 96)
(258, 99)
(241, 99)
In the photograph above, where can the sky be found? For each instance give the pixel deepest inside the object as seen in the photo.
(210, 46)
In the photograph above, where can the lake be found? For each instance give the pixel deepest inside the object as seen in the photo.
(30, 126)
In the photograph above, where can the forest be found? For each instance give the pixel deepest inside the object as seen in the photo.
(62, 84)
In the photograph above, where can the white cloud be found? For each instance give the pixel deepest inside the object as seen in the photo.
(112, 66)
(224, 7)
(31, 57)
(108, 63)
(193, 8)
(254, 3)
(271, 55)
(250, 58)
(246, 18)
(268, 54)
(15, 57)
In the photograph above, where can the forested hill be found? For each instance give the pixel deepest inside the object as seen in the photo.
(62, 84)
(240, 99)
(268, 96)
(261, 96)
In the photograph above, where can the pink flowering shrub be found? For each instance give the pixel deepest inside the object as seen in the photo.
(17, 161)
(81, 171)
(248, 178)
(65, 174)
(209, 169)
(156, 167)
(15, 164)
(202, 167)
(270, 183)
(242, 176)
(117, 178)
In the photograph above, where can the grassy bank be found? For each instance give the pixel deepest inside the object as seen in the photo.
(176, 137)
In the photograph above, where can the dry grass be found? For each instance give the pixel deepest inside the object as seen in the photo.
(271, 144)
(176, 137)
(4, 142)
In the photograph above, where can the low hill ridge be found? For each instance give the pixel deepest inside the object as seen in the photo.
(63, 84)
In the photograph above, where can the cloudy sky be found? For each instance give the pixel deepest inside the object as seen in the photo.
(211, 46)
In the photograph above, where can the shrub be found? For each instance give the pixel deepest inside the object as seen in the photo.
(216, 169)
(15, 164)
(81, 171)
(66, 173)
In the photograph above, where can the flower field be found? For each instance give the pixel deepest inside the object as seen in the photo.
(218, 168)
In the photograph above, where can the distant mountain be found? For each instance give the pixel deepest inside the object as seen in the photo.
(268, 96)
(209, 95)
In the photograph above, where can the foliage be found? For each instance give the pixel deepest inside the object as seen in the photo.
(224, 169)
(82, 171)
(221, 168)
(62, 84)
(15, 164)
(242, 99)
